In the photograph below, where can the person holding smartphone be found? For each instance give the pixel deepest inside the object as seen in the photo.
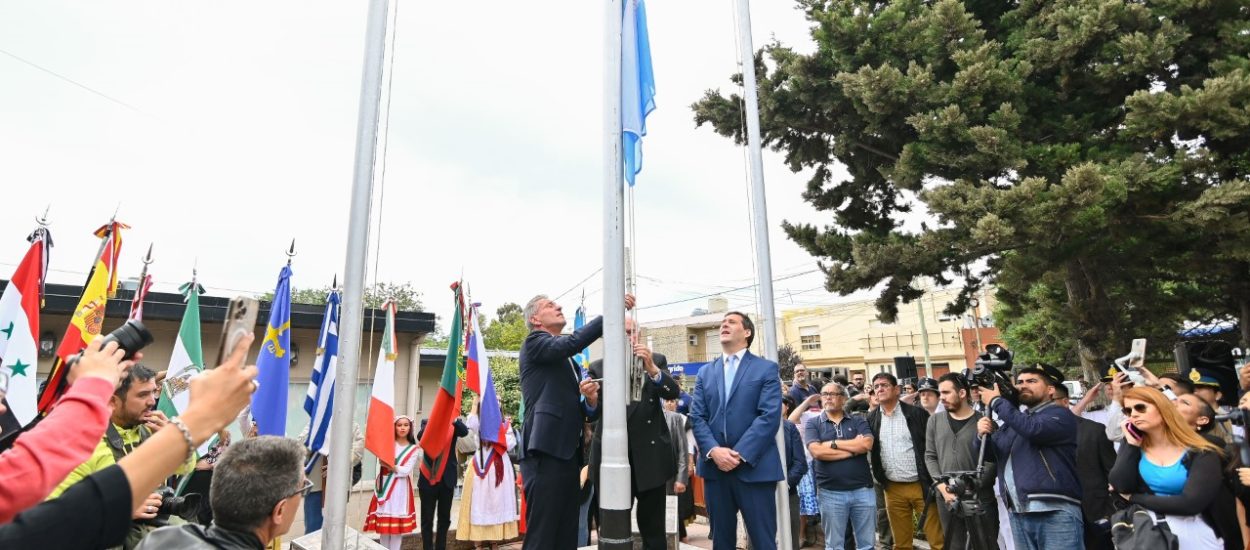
(1170, 470)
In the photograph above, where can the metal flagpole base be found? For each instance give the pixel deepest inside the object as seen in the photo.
(614, 532)
(353, 540)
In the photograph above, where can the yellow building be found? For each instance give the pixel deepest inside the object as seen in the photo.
(849, 338)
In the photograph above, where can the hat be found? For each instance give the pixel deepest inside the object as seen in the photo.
(1200, 378)
(1052, 372)
(1111, 372)
(926, 384)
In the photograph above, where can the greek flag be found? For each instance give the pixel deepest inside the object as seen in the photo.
(319, 403)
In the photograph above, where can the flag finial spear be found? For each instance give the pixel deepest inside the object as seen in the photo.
(43, 220)
(147, 260)
(290, 253)
(335, 285)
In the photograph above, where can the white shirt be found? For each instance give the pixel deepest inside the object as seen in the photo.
(898, 455)
(725, 364)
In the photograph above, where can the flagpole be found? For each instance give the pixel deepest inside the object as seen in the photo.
(763, 260)
(351, 315)
(615, 498)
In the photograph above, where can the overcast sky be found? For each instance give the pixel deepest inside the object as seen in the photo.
(226, 129)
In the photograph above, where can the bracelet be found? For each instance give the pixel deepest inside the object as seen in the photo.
(186, 435)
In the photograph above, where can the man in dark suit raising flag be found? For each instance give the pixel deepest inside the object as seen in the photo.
(558, 401)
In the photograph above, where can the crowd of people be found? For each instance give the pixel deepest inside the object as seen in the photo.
(958, 463)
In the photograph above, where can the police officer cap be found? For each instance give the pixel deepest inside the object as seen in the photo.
(926, 384)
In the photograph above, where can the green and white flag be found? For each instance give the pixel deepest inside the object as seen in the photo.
(187, 359)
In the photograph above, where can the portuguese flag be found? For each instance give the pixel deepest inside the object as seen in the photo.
(88, 317)
(436, 441)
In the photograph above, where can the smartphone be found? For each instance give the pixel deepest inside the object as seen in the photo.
(1137, 434)
(240, 320)
(1132, 363)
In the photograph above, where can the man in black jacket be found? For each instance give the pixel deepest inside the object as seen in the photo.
(558, 403)
(898, 463)
(256, 491)
(651, 461)
(1095, 455)
(437, 496)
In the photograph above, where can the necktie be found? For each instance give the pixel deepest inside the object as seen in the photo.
(731, 369)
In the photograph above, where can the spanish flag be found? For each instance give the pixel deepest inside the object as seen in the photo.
(88, 317)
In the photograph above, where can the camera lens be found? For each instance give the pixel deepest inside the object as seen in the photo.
(130, 337)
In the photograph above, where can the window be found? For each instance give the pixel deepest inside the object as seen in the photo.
(694, 340)
(809, 338)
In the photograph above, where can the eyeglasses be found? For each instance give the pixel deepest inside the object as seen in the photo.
(882, 386)
(1141, 408)
(831, 394)
(303, 489)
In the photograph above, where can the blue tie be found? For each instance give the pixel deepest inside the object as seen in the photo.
(731, 370)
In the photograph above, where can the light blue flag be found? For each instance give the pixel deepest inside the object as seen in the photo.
(637, 85)
(274, 362)
(583, 357)
(319, 403)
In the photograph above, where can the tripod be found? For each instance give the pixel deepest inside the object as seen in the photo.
(967, 506)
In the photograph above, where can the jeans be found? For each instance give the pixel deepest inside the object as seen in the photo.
(312, 511)
(1062, 528)
(835, 506)
(583, 519)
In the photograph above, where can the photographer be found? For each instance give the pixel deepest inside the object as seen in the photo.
(43, 456)
(1035, 451)
(949, 448)
(96, 512)
(133, 420)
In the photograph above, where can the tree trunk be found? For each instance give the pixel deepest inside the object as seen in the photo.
(1097, 327)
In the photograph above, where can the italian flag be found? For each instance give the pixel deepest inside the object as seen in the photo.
(436, 442)
(88, 317)
(19, 325)
(380, 424)
(187, 358)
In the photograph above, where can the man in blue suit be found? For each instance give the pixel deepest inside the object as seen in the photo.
(735, 416)
(559, 400)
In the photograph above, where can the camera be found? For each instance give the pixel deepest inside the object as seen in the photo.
(185, 507)
(130, 337)
(991, 369)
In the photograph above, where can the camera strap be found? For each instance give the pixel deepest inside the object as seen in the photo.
(118, 446)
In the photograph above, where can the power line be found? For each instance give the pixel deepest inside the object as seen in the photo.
(75, 82)
(580, 283)
(730, 290)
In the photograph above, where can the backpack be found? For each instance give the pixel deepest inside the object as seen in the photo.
(1134, 527)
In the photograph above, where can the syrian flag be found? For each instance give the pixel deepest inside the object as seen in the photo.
(187, 359)
(19, 327)
(380, 424)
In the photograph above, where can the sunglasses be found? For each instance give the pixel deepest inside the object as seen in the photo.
(1141, 408)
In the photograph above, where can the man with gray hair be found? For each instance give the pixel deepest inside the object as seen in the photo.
(256, 491)
(559, 398)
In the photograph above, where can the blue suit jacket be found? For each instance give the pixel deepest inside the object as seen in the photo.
(747, 422)
(554, 414)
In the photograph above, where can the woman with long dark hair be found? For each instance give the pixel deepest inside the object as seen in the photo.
(1169, 469)
(392, 510)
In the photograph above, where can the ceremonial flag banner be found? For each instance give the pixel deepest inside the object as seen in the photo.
(478, 375)
(141, 294)
(380, 424)
(19, 327)
(319, 403)
(274, 362)
(436, 442)
(637, 85)
(187, 358)
(88, 317)
(582, 357)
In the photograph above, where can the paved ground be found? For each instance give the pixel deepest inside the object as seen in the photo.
(358, 506)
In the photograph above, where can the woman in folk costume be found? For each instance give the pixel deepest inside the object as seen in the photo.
(392, 512)
(488, 503)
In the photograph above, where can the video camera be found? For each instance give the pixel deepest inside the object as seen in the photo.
(992, 369)
(130, 337)
(185, 507)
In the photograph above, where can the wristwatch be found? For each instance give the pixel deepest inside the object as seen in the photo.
(833, 444)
